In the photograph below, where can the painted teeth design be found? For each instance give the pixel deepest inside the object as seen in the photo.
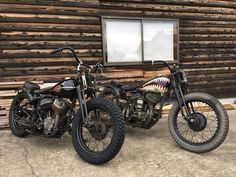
(163, 79)
(157, 85)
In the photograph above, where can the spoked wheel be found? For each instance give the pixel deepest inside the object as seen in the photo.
(202, 126)
(18, 114)
(206, 127)
(98, 135)
(102, 138)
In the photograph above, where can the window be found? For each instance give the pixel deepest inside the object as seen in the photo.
(134, 41)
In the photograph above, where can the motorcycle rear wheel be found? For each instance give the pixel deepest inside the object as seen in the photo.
(13, 112)
(111, 121)
(207, 127)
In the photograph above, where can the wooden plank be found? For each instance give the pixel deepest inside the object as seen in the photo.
(201, 3)
(133, 13)
(208, 57)
(84, 4)
(143, 6)
(7, 93)
(206, 44)
(200, 71)
(208, 30)
(207, 65)
(88, 53)
(49, 45)
(207, 37)
(208, 51)
(54, 20)
(53, 37)
(25, 28)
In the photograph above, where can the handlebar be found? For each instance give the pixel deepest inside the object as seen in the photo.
(97, 67)
(163, 62)
(66, 48)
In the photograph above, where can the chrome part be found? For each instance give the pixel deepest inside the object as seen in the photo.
(84, 82)
(48, 125)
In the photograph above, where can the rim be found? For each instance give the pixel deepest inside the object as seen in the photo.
(207, 132)
(97, 137)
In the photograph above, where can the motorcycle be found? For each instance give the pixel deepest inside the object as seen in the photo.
(197, 121)
(97, 129)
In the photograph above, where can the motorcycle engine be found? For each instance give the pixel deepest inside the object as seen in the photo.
(54, 114)
(142, 109)
(153, 98)
(48, 124)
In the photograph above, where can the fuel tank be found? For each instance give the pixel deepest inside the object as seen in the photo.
(157, 85)
(65, 88)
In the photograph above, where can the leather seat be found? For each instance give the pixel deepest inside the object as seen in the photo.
(124, 87)
(128, 87)
(42, 91)
(117, 84)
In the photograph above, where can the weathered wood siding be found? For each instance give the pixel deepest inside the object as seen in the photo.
(30, 29)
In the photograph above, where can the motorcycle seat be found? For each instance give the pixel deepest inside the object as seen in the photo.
(123, 87)
(117, 84)
(128, 87)
(30, 86)
(42, 91)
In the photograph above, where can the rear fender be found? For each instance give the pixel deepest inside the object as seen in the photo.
(27, 92)
(115, 89)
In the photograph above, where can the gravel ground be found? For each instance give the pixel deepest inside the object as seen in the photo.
(145, 153)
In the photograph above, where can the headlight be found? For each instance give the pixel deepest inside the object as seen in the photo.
(184, 78)
(181, 77)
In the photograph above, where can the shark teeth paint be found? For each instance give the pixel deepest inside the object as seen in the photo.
(158, 85)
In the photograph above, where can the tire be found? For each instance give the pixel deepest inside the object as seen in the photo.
(221, 129)
(19, 132)
(118, 133)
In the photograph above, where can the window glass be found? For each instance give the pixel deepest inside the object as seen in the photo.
(123, 41)
(139, 40)
(158, 40)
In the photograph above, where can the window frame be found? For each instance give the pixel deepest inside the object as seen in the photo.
(141, 19)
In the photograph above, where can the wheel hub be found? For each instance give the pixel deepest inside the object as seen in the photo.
(197, 122)
(98, 130)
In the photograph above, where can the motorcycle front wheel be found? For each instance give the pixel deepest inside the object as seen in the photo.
(205, 129)
(101, 139)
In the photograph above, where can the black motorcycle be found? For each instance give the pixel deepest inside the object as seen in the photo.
(197, 121)
(98, 128)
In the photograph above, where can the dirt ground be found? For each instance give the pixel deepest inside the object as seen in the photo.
(145, 153)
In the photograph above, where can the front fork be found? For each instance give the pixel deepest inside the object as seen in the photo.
(179, 94)
(82, 104)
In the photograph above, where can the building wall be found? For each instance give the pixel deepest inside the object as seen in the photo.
(30, 29)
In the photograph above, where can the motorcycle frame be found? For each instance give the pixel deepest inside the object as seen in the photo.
(178, 83)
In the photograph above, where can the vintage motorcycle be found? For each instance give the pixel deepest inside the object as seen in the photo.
(197, 121)
(98, 128)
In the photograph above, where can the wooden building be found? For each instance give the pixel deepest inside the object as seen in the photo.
(199, 34)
